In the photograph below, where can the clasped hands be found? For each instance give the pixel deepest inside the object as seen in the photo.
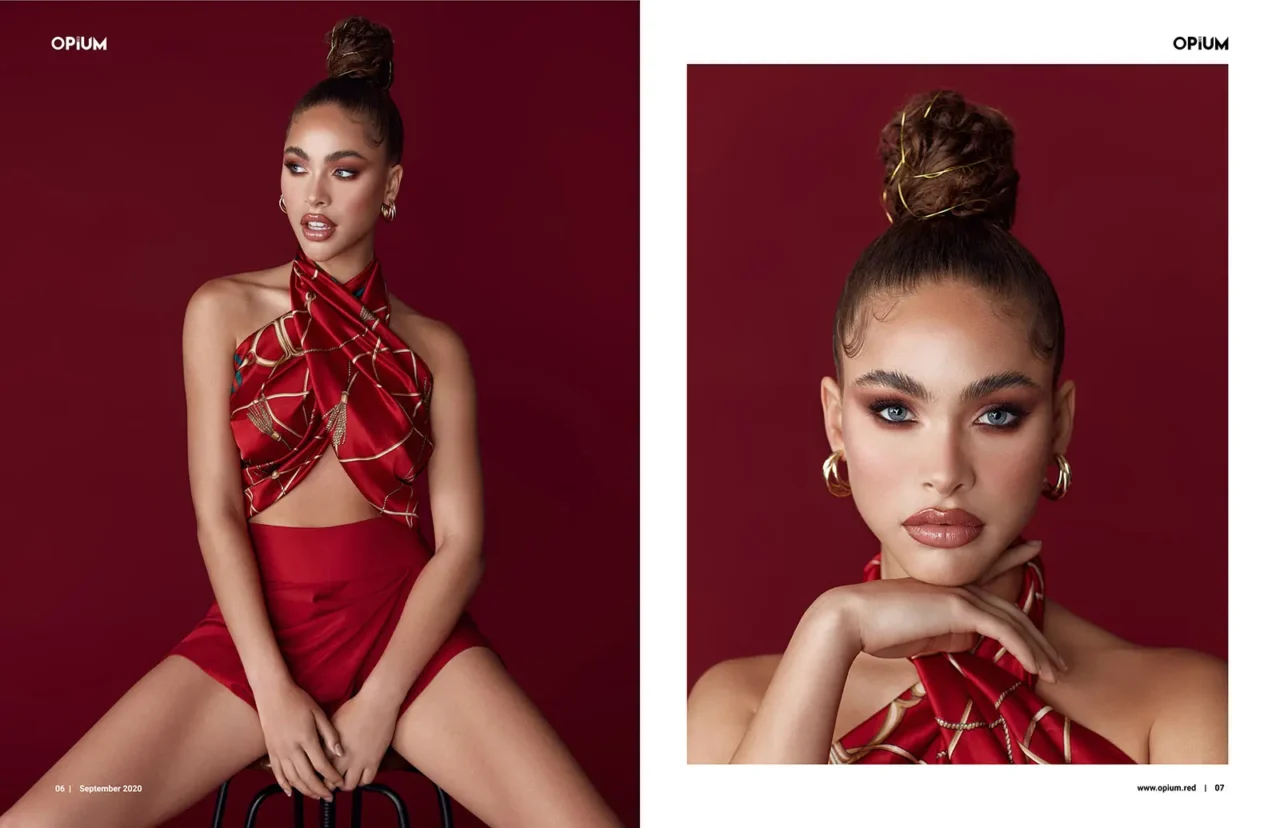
(316, 755)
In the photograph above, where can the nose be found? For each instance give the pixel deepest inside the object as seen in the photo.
(946, 465)
(316, 196)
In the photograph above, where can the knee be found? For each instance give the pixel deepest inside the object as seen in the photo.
(27, 817)
(10, 819)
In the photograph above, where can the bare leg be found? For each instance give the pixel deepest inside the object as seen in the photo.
(475, 733)
(177, 733)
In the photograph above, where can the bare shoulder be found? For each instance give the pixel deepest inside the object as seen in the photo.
(439, 345)
(1159, 704)
(722, 703)
(1073, 634)
(232, 302)
(1189, 707)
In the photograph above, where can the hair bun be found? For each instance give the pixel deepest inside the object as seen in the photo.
(361, 49)
(958, 160)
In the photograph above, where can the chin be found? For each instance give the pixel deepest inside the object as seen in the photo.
(326, 245)
(943, 567)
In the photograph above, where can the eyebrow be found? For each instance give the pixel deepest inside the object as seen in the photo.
(333, 156)
(974, 391)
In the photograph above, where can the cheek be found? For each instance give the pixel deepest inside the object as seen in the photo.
(876, 470)
(1009, 474)
(368, 196)
(1008, 468)
(1011, 463)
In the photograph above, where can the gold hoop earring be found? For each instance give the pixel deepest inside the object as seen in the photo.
(831, 474)
(1059, 489)
(282, 207)
(388, 212)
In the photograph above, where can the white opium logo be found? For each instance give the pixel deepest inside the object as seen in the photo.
(63, 44)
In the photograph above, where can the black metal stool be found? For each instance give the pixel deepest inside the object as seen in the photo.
(328, 810)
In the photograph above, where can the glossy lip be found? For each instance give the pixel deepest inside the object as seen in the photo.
(943, 528)
(310, 217)
(942, 517)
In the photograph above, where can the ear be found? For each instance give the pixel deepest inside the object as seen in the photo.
(833, 413)
(1064, 415)
(393, 184)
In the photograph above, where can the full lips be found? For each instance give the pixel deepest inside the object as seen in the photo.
(316, 235)
(943, 536)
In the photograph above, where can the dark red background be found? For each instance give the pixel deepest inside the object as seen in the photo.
(137, 173)
(1123, 199)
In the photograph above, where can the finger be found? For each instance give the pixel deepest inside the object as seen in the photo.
(351, 779)
(296, 784)
(1015, 612)
(978, 617)
(328, 733)
(305, 775)
(367, 776)
(1011, 557)
(1039, 646)
(319, 761)
(279, 774)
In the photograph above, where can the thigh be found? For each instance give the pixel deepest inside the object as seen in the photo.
(474, 732)
(178, 733)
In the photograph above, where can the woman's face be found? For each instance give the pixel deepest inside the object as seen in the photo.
(331, 169)
(946, 406)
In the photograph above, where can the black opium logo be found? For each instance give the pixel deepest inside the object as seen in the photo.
(67, 44)
(1209, 43)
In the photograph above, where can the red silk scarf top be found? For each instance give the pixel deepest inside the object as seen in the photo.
(975, 707)
(330, 372)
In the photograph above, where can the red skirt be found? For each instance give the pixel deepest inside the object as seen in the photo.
(334, 595)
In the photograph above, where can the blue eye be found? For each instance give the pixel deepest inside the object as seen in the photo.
(1000, 417)
(352, 173)
(896, 412)
(892, 412)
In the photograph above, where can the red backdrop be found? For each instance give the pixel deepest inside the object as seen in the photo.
(139, 172)
(1123, 199)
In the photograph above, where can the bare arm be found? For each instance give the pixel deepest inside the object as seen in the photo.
(798, 712)
(449, 579)
(214, 465)
(1190, 725)
(893, 618)
(729, 721)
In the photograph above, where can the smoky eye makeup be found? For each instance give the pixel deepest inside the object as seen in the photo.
(352, 173)
(1002, 416)
(897, 412)
(891, 411)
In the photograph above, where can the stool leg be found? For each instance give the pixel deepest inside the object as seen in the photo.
(258, 799)
(329, 813)
(446, 807)
(356, 807)
(220, 806)
(402, 813)
(299, 817)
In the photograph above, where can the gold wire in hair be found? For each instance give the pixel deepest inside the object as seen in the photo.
(902, 162)
(333, 44)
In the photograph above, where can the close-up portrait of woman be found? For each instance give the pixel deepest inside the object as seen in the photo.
(315, 507)
(957, 484)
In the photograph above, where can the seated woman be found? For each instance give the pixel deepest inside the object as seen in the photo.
(946, 408)
(315, 399)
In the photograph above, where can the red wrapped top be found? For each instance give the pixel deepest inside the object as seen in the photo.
(330, 372)
(975, 707)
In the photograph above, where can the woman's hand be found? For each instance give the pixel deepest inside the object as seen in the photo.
(891, 618)
(903, 617)
(365, 724)
(293, 724)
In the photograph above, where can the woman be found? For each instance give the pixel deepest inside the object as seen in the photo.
(945, 410)
(332, 637)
